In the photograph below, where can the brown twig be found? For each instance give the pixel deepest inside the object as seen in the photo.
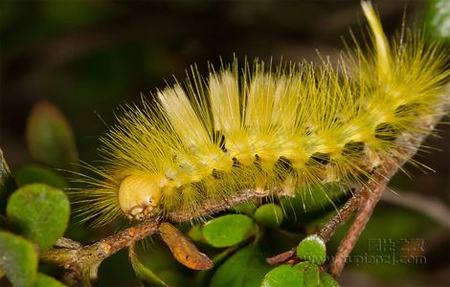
(372, 194)
(329, 228)
(281, 257)
(82, 263)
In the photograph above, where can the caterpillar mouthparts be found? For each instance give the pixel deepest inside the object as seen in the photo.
(269, 132)
(140, 194)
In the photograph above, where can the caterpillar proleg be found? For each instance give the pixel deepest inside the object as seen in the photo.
(269, 130)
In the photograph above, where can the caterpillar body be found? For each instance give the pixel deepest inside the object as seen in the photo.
(268, 130)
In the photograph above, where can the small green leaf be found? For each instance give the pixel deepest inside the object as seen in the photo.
(326, 280)
(34, 173)
(43, 280)
(312, 249)
(40, 212)
(312, 277)
(270, 215)
(18, 259)
(302, 266)
(142, 272)
(284, 275)
(246, 268)
(228, 230)
(247, 208)
(49, 136)
(310, 273)
(156, 266)
(195, 233)
(437, 19)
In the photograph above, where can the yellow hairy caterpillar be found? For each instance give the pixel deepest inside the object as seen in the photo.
(267, 130)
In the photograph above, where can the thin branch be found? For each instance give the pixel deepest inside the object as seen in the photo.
(376, 188)
(82, 263)
(328, 229)
(282, 257)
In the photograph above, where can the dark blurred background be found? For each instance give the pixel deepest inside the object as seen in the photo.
(89, 57)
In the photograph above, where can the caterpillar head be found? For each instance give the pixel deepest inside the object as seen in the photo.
(140, 195)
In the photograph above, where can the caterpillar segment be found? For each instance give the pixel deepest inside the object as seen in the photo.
(269, 132)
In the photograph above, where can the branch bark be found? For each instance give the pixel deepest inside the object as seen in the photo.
(371, 194)
(81, 263)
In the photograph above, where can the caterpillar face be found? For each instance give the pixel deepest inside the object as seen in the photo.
(139, 194)
(268, 132)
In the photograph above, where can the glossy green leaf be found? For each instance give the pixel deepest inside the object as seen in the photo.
(34, 173)
(312, 249)
(143, 272)
(195, 233)
(284, 275)
(247, 208)
(310, 272)
(43, 280)
(49, 136)
(270, 215)
(40, 212)
(302, 265)
(18, 259)
(326, 280)
(228, 230)
(154, 265)
(246, 268)
(437, 19)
